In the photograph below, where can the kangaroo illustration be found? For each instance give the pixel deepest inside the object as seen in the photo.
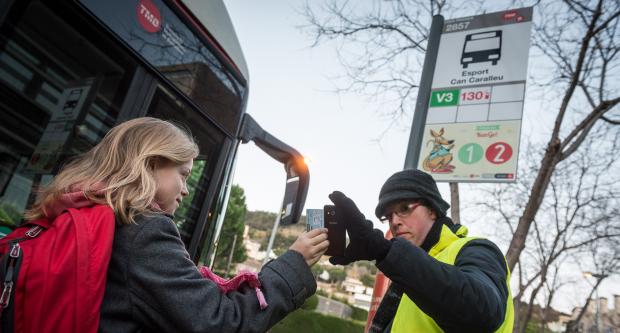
(438, 161)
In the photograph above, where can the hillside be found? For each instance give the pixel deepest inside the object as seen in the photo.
(261, 224)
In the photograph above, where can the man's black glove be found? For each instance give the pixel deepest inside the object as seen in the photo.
(365, 243)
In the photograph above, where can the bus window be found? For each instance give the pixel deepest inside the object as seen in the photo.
(179, 55)
(165, 105)
(62, 84)
(186, 215)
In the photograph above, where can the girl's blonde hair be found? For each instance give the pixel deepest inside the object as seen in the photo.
(119, 170)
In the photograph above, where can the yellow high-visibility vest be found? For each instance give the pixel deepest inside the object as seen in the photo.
(409, 318)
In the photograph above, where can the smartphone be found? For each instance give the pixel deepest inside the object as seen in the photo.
(336, 232)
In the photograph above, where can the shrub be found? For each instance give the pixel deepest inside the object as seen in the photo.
(359, 314)
(311, 303)
(304, 321)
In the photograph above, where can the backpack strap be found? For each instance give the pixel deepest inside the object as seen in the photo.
(95, 228)
(82, 255)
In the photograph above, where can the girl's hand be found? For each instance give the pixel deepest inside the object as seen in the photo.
(311, 245)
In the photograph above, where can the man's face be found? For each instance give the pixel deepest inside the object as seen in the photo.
(410, 220)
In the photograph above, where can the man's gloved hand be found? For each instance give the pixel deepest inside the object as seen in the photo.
(365, 243)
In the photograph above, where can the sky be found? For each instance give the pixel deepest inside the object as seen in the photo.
(292, 97)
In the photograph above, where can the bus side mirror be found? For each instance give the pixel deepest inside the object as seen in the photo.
(289, 201)
(297, 179)
(297, 173)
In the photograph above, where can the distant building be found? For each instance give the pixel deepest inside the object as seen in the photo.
(324, 276)
(359, 295)
(598, 314)
(362, 301)
(559, 325)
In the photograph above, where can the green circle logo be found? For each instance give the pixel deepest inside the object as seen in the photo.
(470, 153)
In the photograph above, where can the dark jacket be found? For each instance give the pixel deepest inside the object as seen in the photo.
(153, 286)
(467, 297)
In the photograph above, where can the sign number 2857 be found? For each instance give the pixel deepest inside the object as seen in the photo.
(456, 26)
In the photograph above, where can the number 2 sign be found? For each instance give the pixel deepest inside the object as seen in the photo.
(499, 152)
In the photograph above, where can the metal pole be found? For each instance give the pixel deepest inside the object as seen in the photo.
(274, 231)
(424, 92)
(230, 255)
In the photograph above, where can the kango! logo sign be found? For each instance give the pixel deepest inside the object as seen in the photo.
(148, 16)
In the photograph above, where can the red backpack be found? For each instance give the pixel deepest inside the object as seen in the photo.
(53, 273)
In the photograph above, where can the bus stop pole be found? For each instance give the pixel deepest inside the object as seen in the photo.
(455, 206)
(424, 93)
(417, 128)
(421, 109)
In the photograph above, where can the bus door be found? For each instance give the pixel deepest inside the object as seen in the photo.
(201, 208)
(200, 216)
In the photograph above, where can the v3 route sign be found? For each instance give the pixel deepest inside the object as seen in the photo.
(444, 98)
(473, 124)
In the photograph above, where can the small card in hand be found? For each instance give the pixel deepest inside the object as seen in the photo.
(326, 218)
(315, 219)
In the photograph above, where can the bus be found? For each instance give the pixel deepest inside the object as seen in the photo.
(72, 69)
(482, 47)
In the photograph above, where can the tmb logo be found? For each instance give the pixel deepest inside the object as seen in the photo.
(512, 15)
(148, 16)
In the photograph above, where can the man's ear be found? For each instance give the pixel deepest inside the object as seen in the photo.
(432, 214)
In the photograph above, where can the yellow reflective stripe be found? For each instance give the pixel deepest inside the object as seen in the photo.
(462, 231)
(446, 238)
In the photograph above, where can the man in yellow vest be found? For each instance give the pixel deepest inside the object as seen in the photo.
(442, 280)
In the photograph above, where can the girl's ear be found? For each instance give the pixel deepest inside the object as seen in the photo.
(151, 163)
(155, 162)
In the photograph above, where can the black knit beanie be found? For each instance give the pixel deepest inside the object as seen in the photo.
(411, 184)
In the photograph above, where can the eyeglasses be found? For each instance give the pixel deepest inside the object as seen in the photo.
(402, 210)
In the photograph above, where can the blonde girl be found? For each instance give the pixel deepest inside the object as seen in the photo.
(140, 169)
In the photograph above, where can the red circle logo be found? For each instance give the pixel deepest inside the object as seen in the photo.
(148, 16)
(498, 153)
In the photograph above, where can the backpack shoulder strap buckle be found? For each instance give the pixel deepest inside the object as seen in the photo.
(34, 231)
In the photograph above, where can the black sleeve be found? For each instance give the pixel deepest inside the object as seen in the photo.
(470, 296)
(169, 294)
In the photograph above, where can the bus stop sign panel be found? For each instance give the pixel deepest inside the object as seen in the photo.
(473, 123)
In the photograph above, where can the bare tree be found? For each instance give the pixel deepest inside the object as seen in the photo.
(583, 44)
(552, 286)
(605, 263)
(382, 47)
(579, 212)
